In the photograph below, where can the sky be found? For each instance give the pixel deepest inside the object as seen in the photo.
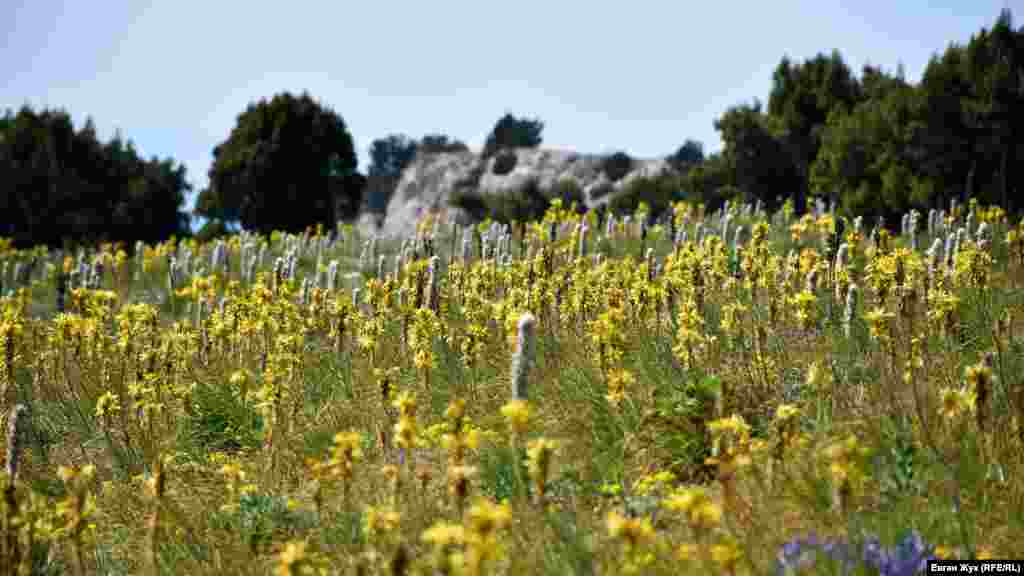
(640, 76)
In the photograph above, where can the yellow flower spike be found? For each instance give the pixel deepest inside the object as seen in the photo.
(517, 414)
(406, 404)
(486, 517)
(444, 534)
(380, 520)
(786, 412)
(456, 410)
(726, 555)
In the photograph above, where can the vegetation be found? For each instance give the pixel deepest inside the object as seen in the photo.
(289, 163)
(504, 163)
(512, 132)
(645, 404)
(59, 185)
(616, 166)
(523, 205)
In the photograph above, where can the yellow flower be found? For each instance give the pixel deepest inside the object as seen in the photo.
(786, 412)
(380, 520)
(726, 555)
(517, 413)
(486, 517)
(943, 552)
(444, 534)
(632, 531)
(294, 553)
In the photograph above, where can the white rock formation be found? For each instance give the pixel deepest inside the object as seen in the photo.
(428, 182)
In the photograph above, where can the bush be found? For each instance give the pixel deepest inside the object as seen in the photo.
(616, 166)
(569, 191)
(504, 163)
(470, 202)
(522, 205)
(212, 230)
(658, 192)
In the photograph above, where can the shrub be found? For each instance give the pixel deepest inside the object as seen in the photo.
(616, 166)
(504, 163)
(569, 191)
(212, 230)
(470, 202)
(658, 192)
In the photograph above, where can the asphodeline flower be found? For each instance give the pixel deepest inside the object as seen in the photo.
(619, 381)
(517, 414)
(879, 323)
(632, 532)
(956, 401)
(694, 503)
(726, 555)
(539, 453)
(379, 521)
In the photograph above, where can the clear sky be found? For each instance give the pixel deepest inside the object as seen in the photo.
(635, 75)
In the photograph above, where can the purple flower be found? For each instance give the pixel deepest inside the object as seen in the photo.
(907, 558)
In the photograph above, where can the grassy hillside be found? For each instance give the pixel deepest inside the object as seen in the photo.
(659, 401)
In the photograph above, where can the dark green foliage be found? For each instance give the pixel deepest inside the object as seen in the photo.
(440, 144)
(212, 230)
(688, 155)
(388, 157)
(760, 160)
(616, 166)
(802, 97)
(569, 192)
(512, 132)
(658, 192)
(289, 163)
(58, 183)
(712, 181)
(471, 202)
(526, 204)
(504, 163)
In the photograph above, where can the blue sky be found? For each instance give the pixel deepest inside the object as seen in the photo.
(640, 76)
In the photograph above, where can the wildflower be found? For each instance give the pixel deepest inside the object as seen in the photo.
(517, 414)
(539, 453)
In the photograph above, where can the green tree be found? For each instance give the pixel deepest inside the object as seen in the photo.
(995, 66)
(763, 168)
(60, 185)
(512, 132)
(388, 157)
(802, 96)
(686, 156)
(288, 163)
(870, 158)
(440, 144)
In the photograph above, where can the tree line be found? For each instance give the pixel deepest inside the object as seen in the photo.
(875, 145)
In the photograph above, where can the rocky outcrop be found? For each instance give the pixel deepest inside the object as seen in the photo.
(428, 182)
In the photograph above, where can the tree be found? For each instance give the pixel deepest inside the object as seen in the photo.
(688, 155)
(802, 96)
(948, 132)
(288, 163)
(763, 168)
(512, 132)
(870, 157)
(388, 157)
(391, 154)
(440, 144)
(58, 184)
(995, 66)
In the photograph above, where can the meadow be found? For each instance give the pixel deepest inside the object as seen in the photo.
(728, 393)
